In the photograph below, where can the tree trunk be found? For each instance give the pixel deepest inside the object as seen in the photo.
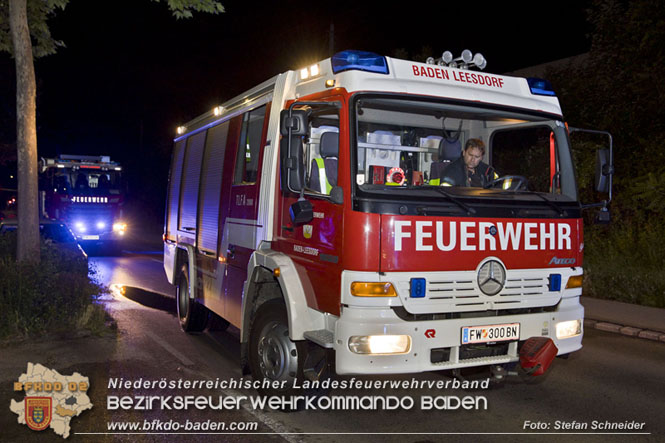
(26, 133)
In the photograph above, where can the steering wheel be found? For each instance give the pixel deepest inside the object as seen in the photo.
(511, 182)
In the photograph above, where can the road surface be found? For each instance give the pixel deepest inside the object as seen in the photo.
(615, 381)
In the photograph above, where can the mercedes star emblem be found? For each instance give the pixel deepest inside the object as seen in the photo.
(491, 277)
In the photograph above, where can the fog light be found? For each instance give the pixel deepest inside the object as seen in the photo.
(567, 329)
(380, 344)
(80, 226)
(372, 289)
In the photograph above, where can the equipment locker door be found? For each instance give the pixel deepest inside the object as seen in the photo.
(214, 184)
(241, 224)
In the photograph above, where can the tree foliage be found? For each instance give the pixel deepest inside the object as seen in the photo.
(184, 8)
(39, 11)
(24, 33)
(619, 89)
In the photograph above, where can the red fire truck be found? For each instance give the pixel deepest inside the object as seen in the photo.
(319, 213)
(87, 193)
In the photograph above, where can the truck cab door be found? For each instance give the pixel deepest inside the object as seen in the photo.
(316, 246)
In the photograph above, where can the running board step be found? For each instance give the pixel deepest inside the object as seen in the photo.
(322, 337)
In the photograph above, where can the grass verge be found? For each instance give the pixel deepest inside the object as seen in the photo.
(625, 263)
(55, 296)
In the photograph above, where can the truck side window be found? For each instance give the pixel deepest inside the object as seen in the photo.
(322, 151)
(249, 147)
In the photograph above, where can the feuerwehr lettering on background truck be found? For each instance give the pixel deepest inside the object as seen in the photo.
(87, 193)
(313, 213)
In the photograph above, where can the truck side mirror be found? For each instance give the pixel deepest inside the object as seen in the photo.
(292, 168)
(291, 165)
(301, 212)
(603, 170)
(603, 217)
(297, 122)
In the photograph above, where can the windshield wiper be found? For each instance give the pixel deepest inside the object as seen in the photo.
(550, 203)
(469, 210)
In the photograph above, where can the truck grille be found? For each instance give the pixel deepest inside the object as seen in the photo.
(459, 292)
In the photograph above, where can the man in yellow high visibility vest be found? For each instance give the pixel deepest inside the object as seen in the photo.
(324, 170)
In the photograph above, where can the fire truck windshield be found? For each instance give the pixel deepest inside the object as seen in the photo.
(69, 181)
(406, 146)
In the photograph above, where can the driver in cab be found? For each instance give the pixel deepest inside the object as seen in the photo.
(469, 170)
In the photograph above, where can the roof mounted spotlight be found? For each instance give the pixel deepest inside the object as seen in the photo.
(180, 130)
(465, 61)
(479, 61)
(447, 57)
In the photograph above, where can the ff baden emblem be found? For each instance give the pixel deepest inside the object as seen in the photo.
(38, 412)
(307, 231)
(491, 277)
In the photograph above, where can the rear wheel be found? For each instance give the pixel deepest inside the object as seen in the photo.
(193, 316)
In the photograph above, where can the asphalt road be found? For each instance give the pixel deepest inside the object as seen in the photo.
(614, 379)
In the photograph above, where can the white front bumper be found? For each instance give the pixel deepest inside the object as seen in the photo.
(446, 334)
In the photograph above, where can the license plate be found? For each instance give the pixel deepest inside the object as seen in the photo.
(90, 237)
(490, 333)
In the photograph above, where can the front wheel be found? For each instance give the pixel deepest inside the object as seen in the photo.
(274, 356)
(192, 315)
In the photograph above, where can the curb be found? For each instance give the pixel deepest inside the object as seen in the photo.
(628, 331)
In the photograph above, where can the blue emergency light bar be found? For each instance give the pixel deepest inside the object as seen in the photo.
(540, 86)
(359, 60)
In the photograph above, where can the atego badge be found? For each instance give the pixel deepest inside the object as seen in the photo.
(38, 412)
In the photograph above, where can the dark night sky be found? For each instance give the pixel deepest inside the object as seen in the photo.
(131, 72)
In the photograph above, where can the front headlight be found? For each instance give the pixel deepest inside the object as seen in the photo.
(120, 227)
(80, 226)
(380, 344)
(568, 329)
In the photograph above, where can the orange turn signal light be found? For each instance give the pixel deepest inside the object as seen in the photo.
(574, 282)
(373, 289)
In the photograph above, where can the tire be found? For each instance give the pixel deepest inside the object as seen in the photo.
(274, 356)
(192, 315)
